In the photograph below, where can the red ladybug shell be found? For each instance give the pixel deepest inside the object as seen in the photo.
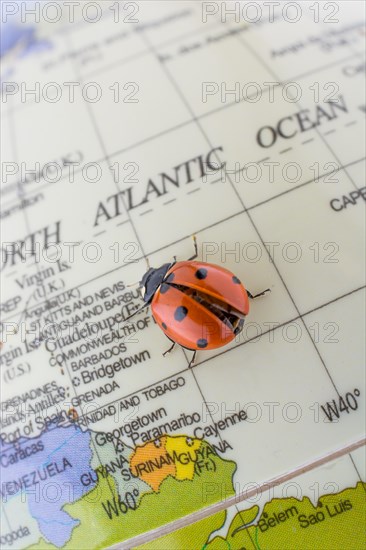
(189, 322)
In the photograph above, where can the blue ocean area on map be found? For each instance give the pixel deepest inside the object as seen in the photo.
(24, 37)
(19, 35)
(47, 469)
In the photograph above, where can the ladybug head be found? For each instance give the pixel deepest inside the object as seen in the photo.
(152, 280)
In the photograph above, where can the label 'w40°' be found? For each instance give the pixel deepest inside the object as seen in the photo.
(341, 404)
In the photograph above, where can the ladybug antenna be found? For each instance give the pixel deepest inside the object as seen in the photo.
(139, 282)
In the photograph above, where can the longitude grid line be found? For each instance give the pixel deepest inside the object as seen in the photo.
(101, 142)
(153, 51)
(212, 418)
(187, 369)
(263, 62)
(6, 516)
(238, 513)
(179, 126)
(313, 180)
(107, 158)
(68, 369)
(74, 389)
(64, 30)
(20, 194)
(250, 219)
(103, 147)
(358, 473)
(200, 391)
(278, 84)
(249, 48)
(350, 455)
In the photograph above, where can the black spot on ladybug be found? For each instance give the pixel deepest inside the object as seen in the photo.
(236, 280)
(202, 343)
(164, 326)
(180, 313)
(201, 273)
(164, 288)
(170, 278)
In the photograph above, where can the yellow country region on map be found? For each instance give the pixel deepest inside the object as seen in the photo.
(337, 521)
(152, 463)
(183, 450)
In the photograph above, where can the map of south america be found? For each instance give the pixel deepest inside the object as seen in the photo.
(72, 479)
(47, 471)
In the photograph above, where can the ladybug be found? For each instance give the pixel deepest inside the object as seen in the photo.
(198, 305)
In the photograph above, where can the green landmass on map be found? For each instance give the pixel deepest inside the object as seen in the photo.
(336, 523)
(188, 486)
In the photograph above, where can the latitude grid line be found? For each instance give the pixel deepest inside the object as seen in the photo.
(196, 365)
(176, 40)
(214, 224)
(191, 121)
(169, 245)
(223, 352)
(126, 59)
(202, 131)
(121, 61)
(313, 180)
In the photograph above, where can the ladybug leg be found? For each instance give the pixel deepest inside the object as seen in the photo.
(250, 295)
(195, 249)
(169, 350)
(191, 363)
